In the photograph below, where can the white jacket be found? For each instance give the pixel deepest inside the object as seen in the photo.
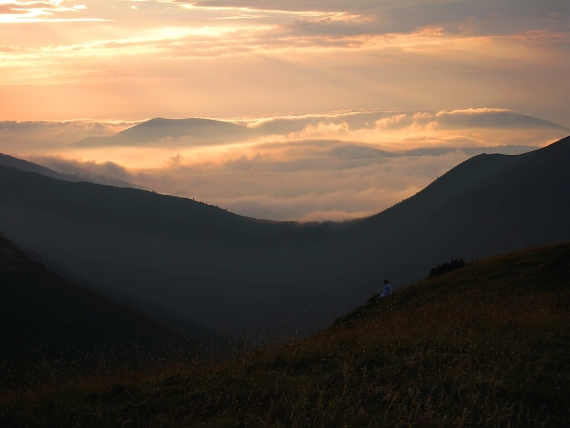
(387, 290)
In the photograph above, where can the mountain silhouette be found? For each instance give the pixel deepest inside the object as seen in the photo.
(10, 161)
(487, 205)
(47, 320)
(230, 271)
(22, 165)
(200, 131)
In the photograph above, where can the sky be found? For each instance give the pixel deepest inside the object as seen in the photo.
(355, 105)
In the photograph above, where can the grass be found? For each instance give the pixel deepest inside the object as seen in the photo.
(486, 345)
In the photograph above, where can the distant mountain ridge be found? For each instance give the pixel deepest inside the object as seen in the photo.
(200, 131)
(487, 205)
(50, 322)
(190, 330)
(22, 165)
(45, 318)
(507, 119)
(230, 271)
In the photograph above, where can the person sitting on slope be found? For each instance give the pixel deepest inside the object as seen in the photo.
(387, 290)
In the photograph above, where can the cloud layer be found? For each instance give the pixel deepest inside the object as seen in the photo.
(349, 106)
(14, 11)
(22, 137)
(331, 166)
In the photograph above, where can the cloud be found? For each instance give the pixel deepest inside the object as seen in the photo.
(86, 169)
(292, 180)
(394, 81)
(328, 166)
(366, 17)
(45, 135)
(286, 5)
(332, 188)
(395, 121)
(326, 185)
(380, 130)
(482, 16)
(341, 124)
(13, 11)
(491, 118)
(298, 58)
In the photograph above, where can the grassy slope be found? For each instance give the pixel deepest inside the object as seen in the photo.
(50, 325)
(487, 345)
(187, 327)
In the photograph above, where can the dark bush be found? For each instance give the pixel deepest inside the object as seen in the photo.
(450, 266)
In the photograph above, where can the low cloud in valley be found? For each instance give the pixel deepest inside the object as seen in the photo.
(331, 166)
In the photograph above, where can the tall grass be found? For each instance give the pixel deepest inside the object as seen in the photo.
(487, 345)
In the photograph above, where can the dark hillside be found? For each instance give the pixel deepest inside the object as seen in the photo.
(486, 345)
(12, 162)
(142, 211)
(487, 205)
(22, 165)
(230, 272)
(48, 322)
(197, 259)
(214, 342)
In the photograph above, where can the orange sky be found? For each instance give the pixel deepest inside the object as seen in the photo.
(96, 67)
(110, 59)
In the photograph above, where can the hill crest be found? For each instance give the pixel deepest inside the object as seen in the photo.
(196, 131)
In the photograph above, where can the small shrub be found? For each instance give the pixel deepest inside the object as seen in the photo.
(450, 266)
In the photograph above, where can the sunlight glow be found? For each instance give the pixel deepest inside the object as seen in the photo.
(372, 98)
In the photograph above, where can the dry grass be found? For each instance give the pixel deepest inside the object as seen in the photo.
(487, 345)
